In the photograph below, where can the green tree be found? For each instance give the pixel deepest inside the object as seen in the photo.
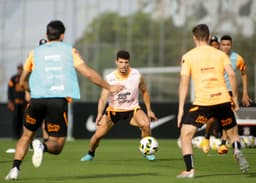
(152, 43)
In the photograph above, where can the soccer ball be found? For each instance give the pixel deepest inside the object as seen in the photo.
(214, 142)
(197, 141)
(148, 145)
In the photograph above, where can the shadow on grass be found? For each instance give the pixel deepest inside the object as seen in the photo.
(247, 175)
(6, 161)
(144, 159)
(95, 176)
(251, 174)
(169, 159)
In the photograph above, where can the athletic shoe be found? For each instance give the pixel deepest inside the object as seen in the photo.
(87, 157)
(223, 149)
(205, 145)
(150, 157)
(243, 163)
(13, 174)
(38, 153)
(187, 174)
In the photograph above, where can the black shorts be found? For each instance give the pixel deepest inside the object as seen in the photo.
(118, 116)
(53, 111)
(199, 115)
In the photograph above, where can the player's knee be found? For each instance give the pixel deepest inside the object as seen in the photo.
(54, 146)
(145, 127)
(57, 149)
(26, 137)
(187, 134)
(56, 152)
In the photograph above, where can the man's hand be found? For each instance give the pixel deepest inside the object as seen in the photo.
(179, 118)
(11, 106)
(152, 116)
(27, 96)
(234, 104)
(246, 100)
(98, 119)
(115, 88)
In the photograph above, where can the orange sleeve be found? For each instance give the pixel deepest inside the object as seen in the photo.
(77, 59)
(240, 64)
(185, 67)
(29, 63)
(10, 84)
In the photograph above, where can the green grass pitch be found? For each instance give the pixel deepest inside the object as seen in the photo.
(119, 161)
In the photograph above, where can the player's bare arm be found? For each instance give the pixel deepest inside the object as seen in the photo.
(233, 83)
(245, 97)
(24, 80)
(146, 98)
(94, 77)
(183, 90)
(101, 105)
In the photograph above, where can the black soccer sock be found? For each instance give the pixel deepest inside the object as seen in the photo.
(236, 145)
(223, 142)
(45, 140)
(45, 147)
(207, 136)
(92, 153)
(188, 159)
(16, 163)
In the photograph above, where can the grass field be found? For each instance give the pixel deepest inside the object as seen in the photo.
(119, 161)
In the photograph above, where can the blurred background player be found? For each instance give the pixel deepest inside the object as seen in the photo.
(238, 64)
(16, 101)
(214, 42)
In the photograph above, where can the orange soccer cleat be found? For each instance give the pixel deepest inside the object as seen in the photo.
(205, 145)
(222, 149)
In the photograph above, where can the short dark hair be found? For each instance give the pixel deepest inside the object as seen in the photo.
(201, 32)
(214, 39)
(123, 54)
(42, 41)
(20, 66)
(226, 37)
(54, 29)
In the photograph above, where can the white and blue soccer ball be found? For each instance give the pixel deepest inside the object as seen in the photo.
(148, 145)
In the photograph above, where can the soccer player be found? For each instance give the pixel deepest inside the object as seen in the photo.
(123, 105)
(214, 42)
(206, 65)
(238, 64)
(16, 101)
(52, 83)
